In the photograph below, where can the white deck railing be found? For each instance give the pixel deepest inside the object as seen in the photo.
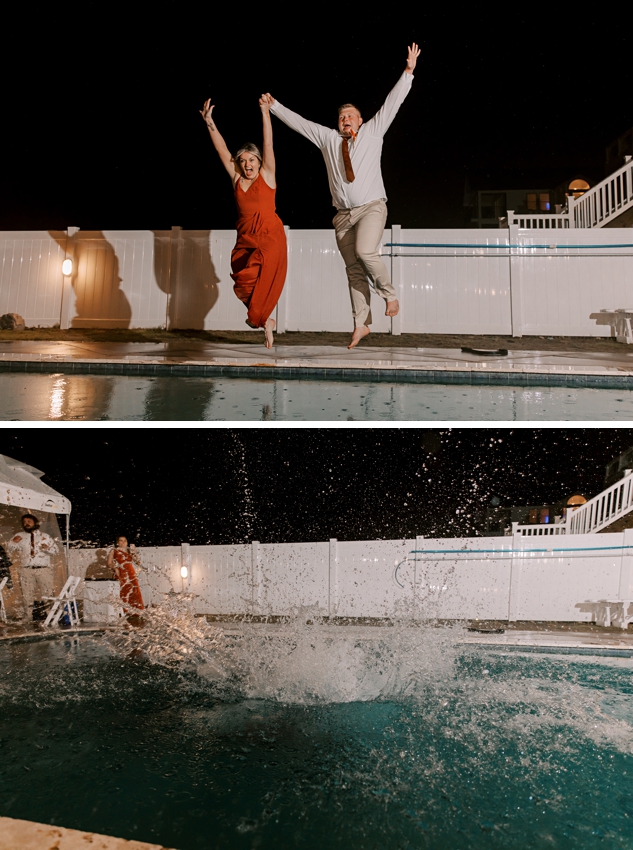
(612, 504)
(606, 200)
(595, 208)
(542, 221)
(544, 530)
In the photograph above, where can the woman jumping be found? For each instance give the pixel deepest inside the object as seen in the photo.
(259, 260)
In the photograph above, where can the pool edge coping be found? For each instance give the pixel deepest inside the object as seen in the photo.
(405, 374)
(18, 832)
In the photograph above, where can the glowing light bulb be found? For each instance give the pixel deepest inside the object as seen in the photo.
(184, 572)
(67, 267)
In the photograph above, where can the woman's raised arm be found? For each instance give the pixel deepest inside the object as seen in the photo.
(268, 164)
(218, 142)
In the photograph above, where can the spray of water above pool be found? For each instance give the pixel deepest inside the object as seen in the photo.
(306, 660)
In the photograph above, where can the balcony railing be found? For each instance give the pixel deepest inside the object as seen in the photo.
(540, 221)
(595, 208)
(612, 504)
(598, 513)
(606, 200)
(544, 530)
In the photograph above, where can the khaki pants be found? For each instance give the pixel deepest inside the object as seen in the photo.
(35, 584)
(358, 235)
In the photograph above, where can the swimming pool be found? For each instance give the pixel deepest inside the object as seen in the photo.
(67, 397)
(320, 738)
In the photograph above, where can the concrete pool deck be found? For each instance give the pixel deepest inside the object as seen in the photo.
(601, 365)
(30, 835)
(550, 637)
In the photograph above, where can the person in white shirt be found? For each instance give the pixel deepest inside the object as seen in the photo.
(352, 158)
(33, 549)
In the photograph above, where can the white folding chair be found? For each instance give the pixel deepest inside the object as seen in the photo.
(65, 600)
(3, 613)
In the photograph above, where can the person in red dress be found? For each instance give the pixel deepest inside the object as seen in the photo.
(259, 260)
(121, 559)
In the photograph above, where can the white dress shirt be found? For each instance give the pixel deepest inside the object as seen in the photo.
(364, 151)
(34, 549)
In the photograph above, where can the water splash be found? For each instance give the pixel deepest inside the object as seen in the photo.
(247, 513)
(482, 699)
(168, 634)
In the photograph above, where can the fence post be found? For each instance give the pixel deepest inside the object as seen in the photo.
(172, 286)
(516, 300)
(516, 569)
(332, 603)
(570, 210)
(625, 590)
(256, 577)
(185, 561)
(396, 279)
(419, 546)
(67, 280)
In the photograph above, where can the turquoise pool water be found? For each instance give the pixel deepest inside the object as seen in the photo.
(406, 742)
(60, 397)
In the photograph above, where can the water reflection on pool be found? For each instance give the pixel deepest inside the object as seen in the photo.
(59, 397)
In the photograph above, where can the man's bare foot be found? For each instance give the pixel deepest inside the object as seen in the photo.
(358, 334)
(269, 327)
(393, 308)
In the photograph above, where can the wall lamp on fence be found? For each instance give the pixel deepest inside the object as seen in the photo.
(67, 267)
(184, 572)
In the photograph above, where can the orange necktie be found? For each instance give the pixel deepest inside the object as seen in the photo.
(349, 171)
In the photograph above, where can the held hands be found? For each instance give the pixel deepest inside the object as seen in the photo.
(206, 113)
(265, 102)
(412, 58)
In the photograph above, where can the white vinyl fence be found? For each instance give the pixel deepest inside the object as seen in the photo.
(508, 281)
(504, 578)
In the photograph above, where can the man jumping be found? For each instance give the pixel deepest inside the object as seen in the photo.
(352, 158)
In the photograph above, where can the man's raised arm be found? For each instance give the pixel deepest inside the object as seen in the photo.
(316, 133)
(381, 121)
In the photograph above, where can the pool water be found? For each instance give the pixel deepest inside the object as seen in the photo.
(60, 397)
(432, 745)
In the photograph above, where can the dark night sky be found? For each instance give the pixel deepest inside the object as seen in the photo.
(101, 104)
(216, 486)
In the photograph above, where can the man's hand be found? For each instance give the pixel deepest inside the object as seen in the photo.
(266, 101)
(412, 58)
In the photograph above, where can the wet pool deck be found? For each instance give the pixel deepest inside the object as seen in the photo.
(581, 638)
(596, 363)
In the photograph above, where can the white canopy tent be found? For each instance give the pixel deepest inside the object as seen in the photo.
(20, 486)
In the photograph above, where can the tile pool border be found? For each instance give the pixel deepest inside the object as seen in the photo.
(320, 373)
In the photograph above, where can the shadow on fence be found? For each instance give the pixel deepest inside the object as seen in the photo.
(96, 281)
(185, 272)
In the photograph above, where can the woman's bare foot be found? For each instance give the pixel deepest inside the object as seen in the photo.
(269, 327)
(359, 333)
(393, 308)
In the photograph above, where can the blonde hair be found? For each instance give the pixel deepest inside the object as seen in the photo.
(249, 147)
